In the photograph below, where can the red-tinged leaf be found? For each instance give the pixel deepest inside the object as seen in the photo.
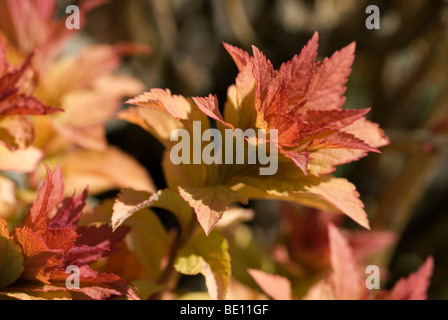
(299, 71)
(50, 195)
(210, 203)
(327, 88)
(25, 105)
(101, 237)
(287, 129)
(13, 100)
(60, 239)
(11, 78)
(83, 255)
(279, 104)
(93, 244)
(276, 118)
(415, 286)
(369, 132)
(341, 140)
(264, 75)
(38, 258)
(300, 158)
(240, 57)
(306, 231)
(209, 106)
(366, 244)
(69, 215)
(97, 285)
(177, 106)
(3, 60)
(275, 286)
(332, 119)
(346, 278)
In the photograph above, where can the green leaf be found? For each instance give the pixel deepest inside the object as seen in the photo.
(208, 256)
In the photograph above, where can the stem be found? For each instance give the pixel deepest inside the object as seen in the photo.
(168, 276)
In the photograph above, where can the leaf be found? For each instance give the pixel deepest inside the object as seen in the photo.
(98, 285)
(128, 202)
(344, 282)
(234, 216)
(71, 212)
(209, 106)
(157, 122)
(210, 203)
(415, 286)
(327, 88)
(11, 260)
(171, 200)
(82, 70)
(38, 259)
(131, 201)
(345, 273)
(50, 195)
(341, 140)
(240, 57)
(177, 106)
(149, 241)
(275, 286)
(82, 114)
(93, 243)
(117, 170)
(16, 132)
(208, 256)
(8, 200)
(50, 240)
(22, 160)
(299, 71)
(25, 105)
(326, 192)
(187, 175)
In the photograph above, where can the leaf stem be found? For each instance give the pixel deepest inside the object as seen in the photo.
(168, 276)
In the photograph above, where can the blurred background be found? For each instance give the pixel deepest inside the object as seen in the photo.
(400, 71)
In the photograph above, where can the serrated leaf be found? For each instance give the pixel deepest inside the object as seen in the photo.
(130, 201)
(416, 285)
(210, 203)
(325, 193)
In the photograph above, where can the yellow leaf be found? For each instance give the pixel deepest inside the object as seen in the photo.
(131, 201)
(210, 203)
(16, 132)
(103, 170)
(23, 160)
(325, 192)
(11, 260)
(208, 256)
